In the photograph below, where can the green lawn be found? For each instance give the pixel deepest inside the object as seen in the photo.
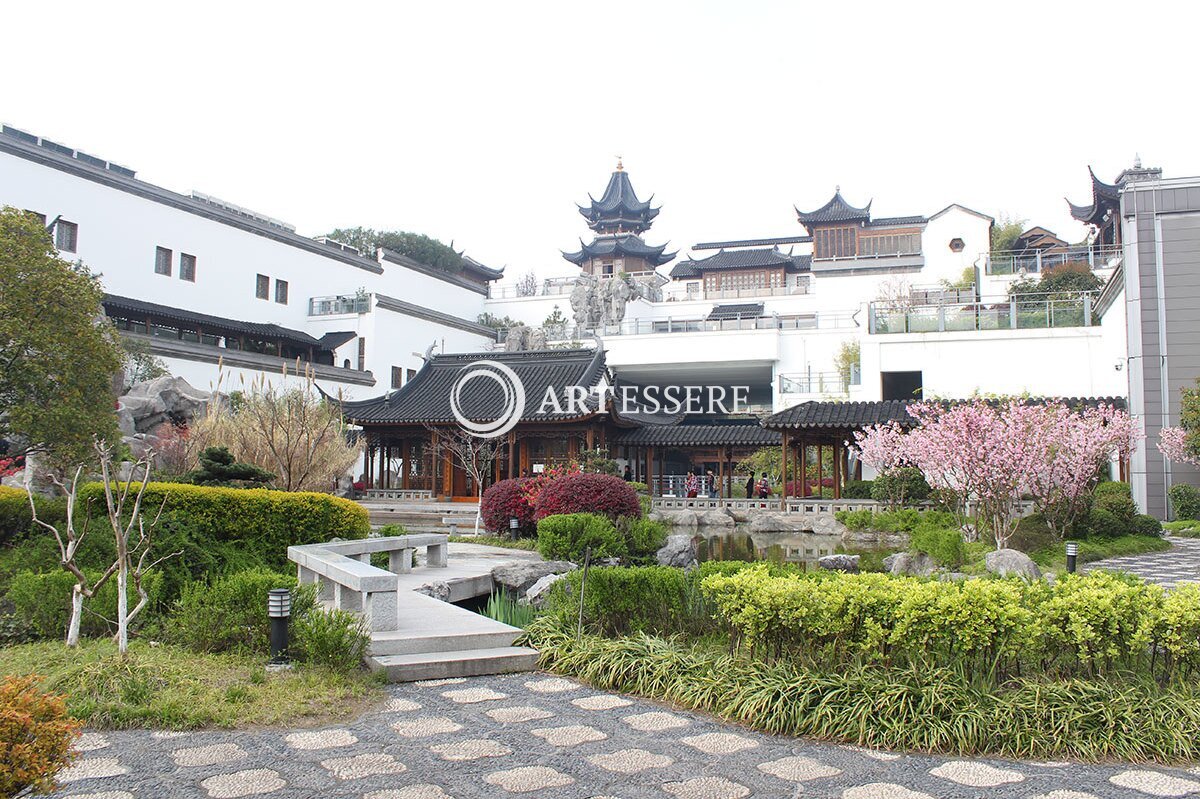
(1055, 558)
(527, 544)
(163, 686)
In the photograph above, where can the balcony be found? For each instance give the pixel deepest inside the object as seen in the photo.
(1022, 262)
(799, 290)
(341, 304)
(1024, 312)
(820, 383)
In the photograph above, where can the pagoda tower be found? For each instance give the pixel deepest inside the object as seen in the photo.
(618, 219)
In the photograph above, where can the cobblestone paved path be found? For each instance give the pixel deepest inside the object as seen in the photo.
(1179, 564)
(535, 735)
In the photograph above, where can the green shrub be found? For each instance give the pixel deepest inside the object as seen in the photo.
(857, 489)
(623, 600)
(1185, 500)
(260, 522)
(332, 639)
(642, 536)
(1145, 524)
(1100, 523)
(16, 520)
(944, 544)
(903, 520)
(567, 536)
(901, 486)
(1115, 498)
(41, 602)
(953, 711)
(1082, 625)
(1187, 528)
(229, 614)
(1032, 534)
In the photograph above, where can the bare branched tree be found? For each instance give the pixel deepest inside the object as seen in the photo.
(474, 455)
(123, 501)
(68, 537)
(527, 285)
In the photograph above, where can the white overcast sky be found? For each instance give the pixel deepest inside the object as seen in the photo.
(484, 123)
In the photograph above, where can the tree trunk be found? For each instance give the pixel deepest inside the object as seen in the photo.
(479, 510)
(76, 614)
(123, 605)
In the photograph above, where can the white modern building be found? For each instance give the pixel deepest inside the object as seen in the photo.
(220, 293)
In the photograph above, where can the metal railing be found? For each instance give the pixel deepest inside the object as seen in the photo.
(646, 327)
(1019, 312)
(1015, 262)
(819, 382)
(341, 304)
(799, 290)
(559, 286)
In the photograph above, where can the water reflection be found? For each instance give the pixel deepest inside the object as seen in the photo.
(739, 544)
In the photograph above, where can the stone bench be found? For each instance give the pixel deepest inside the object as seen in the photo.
(346, 579)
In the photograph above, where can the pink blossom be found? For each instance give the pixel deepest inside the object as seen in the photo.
(1173, 444)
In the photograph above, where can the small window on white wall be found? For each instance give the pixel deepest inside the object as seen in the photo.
(162, 261)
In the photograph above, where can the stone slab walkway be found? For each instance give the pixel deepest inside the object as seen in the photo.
(1179, 564)
(536, 735)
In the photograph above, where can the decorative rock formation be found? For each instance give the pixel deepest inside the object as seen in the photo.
(518, 578)
(438, 589)
(911, 564)
(1005, 562)
(679, 551)
(839, 563)
(539, 591)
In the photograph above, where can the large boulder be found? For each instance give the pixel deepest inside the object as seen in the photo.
(162, 399)
(679, 551)
(778, 523)
(910, 564)
(839, 563)
(714, 518)
(539, 591)
(519, 577)
(1011, 562)
(438, 589)
(685, 519)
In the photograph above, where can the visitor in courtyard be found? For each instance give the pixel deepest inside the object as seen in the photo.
(692, 485)
(764, 487)
(750, 486)
(628, 474)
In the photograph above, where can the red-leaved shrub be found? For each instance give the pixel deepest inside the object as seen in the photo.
(503, 501)
(36, 736)
(581, 492)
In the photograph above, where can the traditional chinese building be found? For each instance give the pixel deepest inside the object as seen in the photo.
(618, 219)
(1103, 215)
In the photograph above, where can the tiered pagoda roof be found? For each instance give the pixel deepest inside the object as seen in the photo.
(619, 210)
(1106, 197)
(836, 210)
(628, 246)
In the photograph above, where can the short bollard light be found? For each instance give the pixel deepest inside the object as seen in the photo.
(514, 524)
(279, 608)
(1072, 554)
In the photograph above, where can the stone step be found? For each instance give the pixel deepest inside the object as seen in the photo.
(405, 643)
(461, 663)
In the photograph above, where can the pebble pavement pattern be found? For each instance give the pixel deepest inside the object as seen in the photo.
(1179, 564)
(543, 737)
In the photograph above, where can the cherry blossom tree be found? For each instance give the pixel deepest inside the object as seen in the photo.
(881, 446)
(1175, 445)
(1071, 449)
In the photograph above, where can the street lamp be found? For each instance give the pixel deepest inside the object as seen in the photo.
(1072, 554)
(279, 608)
(514, 524)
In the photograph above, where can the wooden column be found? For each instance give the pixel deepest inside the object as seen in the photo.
(803, 468)
(783, 471)
(650, 470)
(837, 471)
(591, 438)
(367, 464)
(512, 455)
(573, 448)
(721, 472)
(435, 475)
(405, 464)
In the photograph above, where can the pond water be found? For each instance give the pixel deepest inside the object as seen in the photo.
(804, 549)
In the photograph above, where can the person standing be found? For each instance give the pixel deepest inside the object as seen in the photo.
(764, 487)
(713, 489)
(750, 486)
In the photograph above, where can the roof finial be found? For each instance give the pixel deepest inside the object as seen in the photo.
(837, 189)
(620, 166)
(1137, 161)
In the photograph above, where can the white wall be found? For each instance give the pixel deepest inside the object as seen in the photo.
(119, 232)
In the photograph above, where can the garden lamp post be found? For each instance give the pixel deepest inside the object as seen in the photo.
(1072, 554)
(514, 524)
(279, 608)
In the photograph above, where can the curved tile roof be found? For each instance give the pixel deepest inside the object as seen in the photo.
(1105, 197)
(743, 259)
(624, 246)
(425, 399)
(748, 433)
(836, 210)
(619, 206)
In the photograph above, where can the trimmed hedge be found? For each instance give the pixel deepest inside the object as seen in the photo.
(567, 537)
(1081, 625)
(16, 521)
(857, 489)
(1117, 499)
(900, 486)
(506, 500)
(42, 602)
(581, 492)
(261, 522)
